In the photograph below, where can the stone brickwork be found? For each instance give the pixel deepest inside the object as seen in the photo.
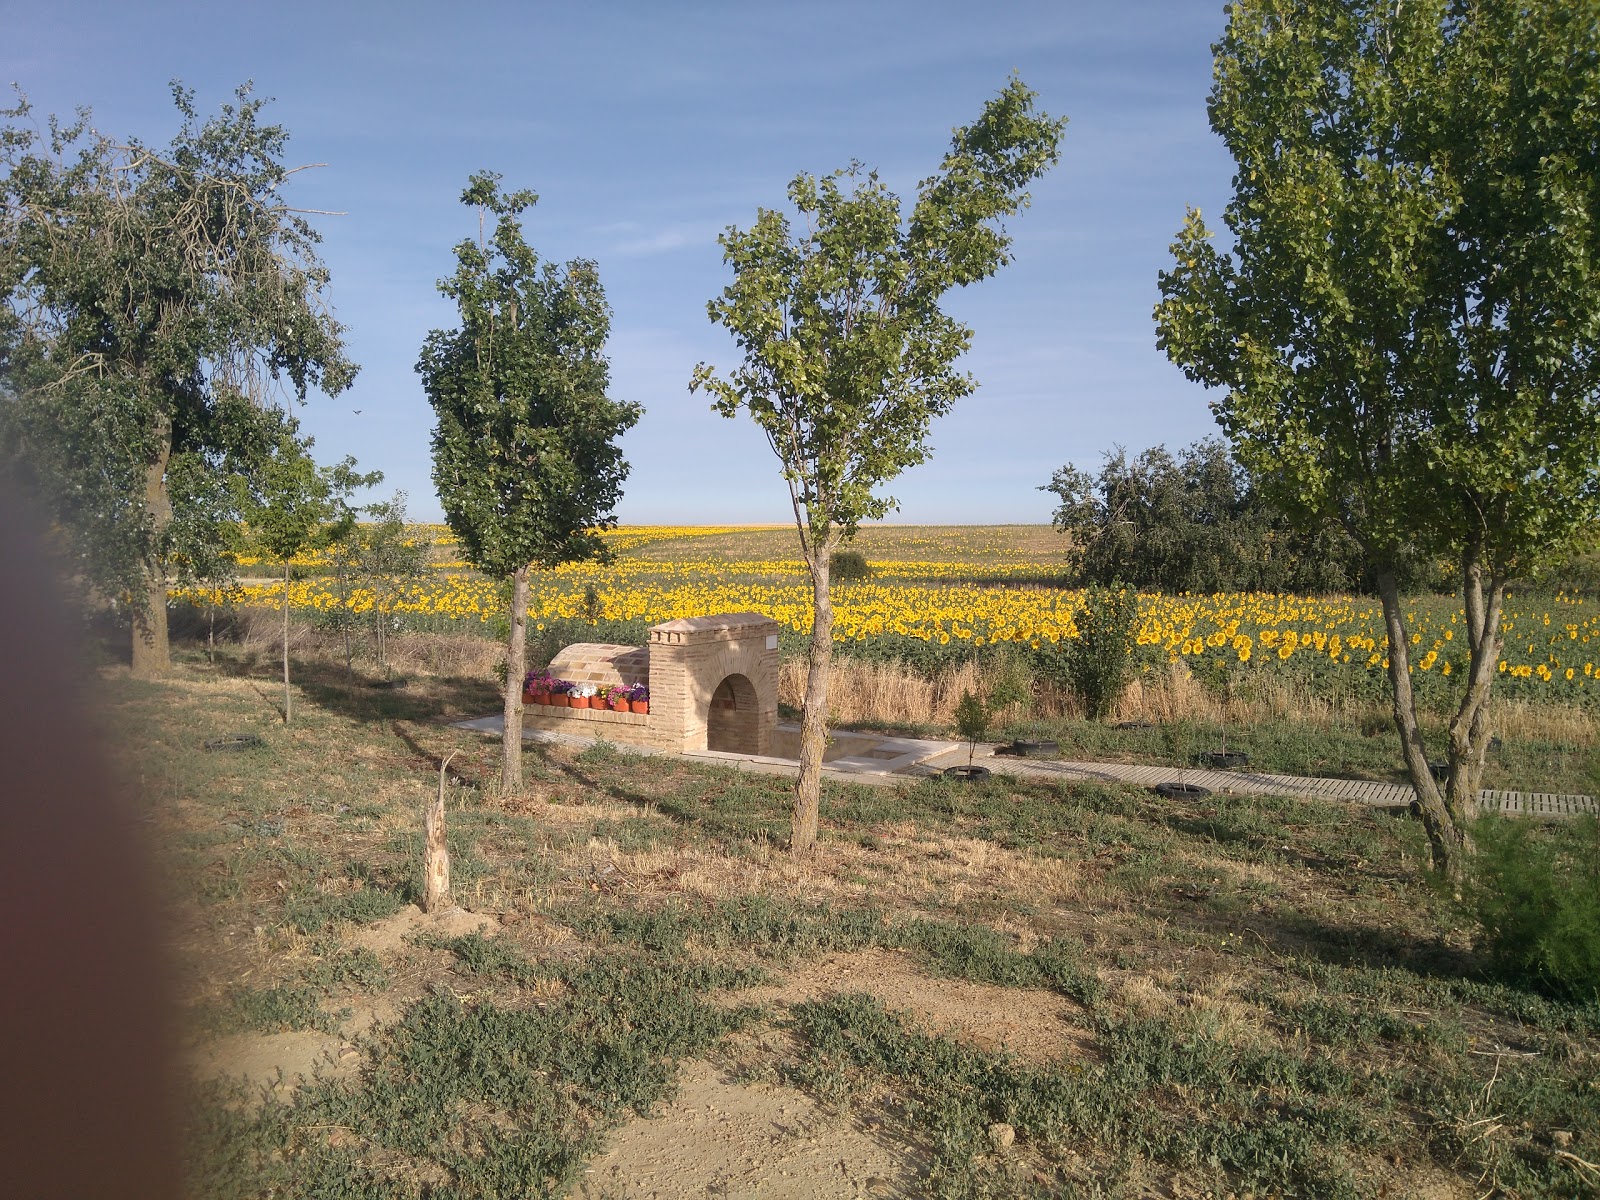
(713, 686)
(718, 678)
(602, 664)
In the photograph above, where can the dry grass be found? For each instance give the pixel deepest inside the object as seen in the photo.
(981, 545)
(446, 654)
(889, 693)
(332, 805)
(927, 871)
(883, 692)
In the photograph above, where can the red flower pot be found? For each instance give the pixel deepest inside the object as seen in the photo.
(639, 706)
(559, 700)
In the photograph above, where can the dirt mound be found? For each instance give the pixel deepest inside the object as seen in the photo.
(390, 935)
(1032, 1023)
(721, 1137)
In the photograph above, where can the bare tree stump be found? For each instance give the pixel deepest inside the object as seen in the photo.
(436, 858)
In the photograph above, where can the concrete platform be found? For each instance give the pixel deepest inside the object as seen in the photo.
(871, 759)
(851, 756)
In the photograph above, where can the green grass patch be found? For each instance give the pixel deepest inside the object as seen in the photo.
(282, 1009)
(472, 1100)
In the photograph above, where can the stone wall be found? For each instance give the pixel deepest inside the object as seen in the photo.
(713, 685)
(602, 664)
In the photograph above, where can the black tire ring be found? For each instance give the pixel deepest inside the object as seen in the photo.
(1180, 791)
(973, 774)
(237, 741)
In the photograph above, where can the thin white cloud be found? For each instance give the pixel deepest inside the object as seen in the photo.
(638, 240)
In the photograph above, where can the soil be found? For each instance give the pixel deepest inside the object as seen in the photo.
(722, 1137)
(281, 1061)
(1032, 1023)
(284, 1061)
(728, 1135)
(392, 934)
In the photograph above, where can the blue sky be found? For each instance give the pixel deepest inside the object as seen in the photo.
(648, 128)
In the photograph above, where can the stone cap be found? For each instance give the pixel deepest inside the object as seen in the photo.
(687, 629)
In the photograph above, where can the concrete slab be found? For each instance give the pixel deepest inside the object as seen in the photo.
(892, 761)
(868, 754)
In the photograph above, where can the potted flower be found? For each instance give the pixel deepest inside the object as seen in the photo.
(559, 695)
(583, 695)
(617, 697)
(639, 698)
(536, 687)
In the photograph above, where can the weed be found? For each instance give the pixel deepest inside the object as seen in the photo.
(1270, 1120)
(540, 1084)
(312, 912)
(279, 1009)
(490, 956)
(1536, 898)
(599, 753)
(359, 968)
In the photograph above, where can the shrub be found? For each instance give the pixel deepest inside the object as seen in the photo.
(849, 566)
(1095, 666)
(1195, 521)
(1535, 895)
(972, 722)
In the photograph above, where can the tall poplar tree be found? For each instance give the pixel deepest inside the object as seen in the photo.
(847, 355)
(149, 297)
(1406, 322)
(525, 453)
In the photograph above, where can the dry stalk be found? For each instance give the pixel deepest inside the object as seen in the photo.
(436, 857)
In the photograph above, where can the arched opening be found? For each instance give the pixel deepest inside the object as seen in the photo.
(731, 723)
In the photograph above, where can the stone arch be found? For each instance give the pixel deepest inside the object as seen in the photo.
(733, 717)
(692, 658)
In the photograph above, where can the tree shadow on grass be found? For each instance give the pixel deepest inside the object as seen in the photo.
(718, 805)
(327, 686)
(1294, 935)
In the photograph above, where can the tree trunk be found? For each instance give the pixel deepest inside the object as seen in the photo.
(814, 718)
(152, 655)
(1445, 836)
(380, 646)
(1469, 727)
(435, 854)
(344, 619)
(516, 668)
(287, 699)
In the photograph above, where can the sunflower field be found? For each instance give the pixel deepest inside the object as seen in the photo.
(939, 608)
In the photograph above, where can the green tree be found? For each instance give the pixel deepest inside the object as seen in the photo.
(847, 355)
(1097, 663)
(143, 291)
(1193, 522)
(290, 504)
(524, 455)
(386, 553)
(1407, 319)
